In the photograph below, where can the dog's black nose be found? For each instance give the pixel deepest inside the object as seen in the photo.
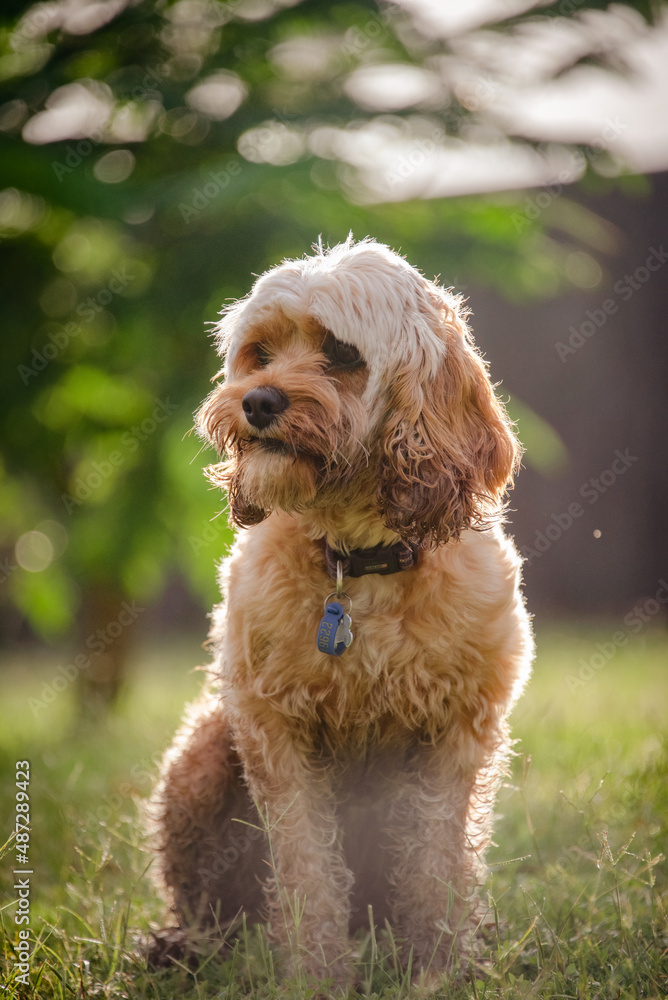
(263, 404)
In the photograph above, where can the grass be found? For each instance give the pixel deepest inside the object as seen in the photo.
(577, 887)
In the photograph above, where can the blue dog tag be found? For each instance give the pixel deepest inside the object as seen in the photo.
(334, 635)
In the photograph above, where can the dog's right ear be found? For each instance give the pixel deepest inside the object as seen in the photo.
(226, 474)
(211, 418)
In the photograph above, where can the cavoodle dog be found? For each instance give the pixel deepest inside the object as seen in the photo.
(372, 637)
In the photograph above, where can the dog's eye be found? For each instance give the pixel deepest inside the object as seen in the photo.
(340, 354)
(262, 355)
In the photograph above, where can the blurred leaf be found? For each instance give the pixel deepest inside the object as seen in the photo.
(544, 449)
(112, 266)
(89, 392)
(47, 599)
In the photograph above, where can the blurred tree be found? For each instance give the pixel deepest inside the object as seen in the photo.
(153, 156)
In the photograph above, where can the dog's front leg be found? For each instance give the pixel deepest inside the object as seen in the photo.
(439, 832)
(308, 893)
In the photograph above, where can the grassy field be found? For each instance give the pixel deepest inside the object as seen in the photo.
(577, 886)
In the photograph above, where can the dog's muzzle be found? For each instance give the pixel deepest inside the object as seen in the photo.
(263, 404)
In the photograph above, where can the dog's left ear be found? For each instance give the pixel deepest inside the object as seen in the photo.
(449, 449)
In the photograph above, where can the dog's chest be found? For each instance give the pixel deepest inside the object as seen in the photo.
(408, 668)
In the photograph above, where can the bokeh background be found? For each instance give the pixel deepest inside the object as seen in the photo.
(154, 157)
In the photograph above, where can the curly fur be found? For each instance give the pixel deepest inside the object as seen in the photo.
(375, 771)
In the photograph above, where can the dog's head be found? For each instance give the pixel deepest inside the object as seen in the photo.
(350, 377)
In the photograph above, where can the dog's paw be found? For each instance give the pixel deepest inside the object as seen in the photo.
(163, 948)
(171, 946)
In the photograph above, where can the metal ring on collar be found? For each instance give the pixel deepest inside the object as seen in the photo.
(338, 598)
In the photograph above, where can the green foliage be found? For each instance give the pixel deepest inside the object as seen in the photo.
(577, 887)
(153, 157)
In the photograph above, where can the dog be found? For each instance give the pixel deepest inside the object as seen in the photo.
(343, 762)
